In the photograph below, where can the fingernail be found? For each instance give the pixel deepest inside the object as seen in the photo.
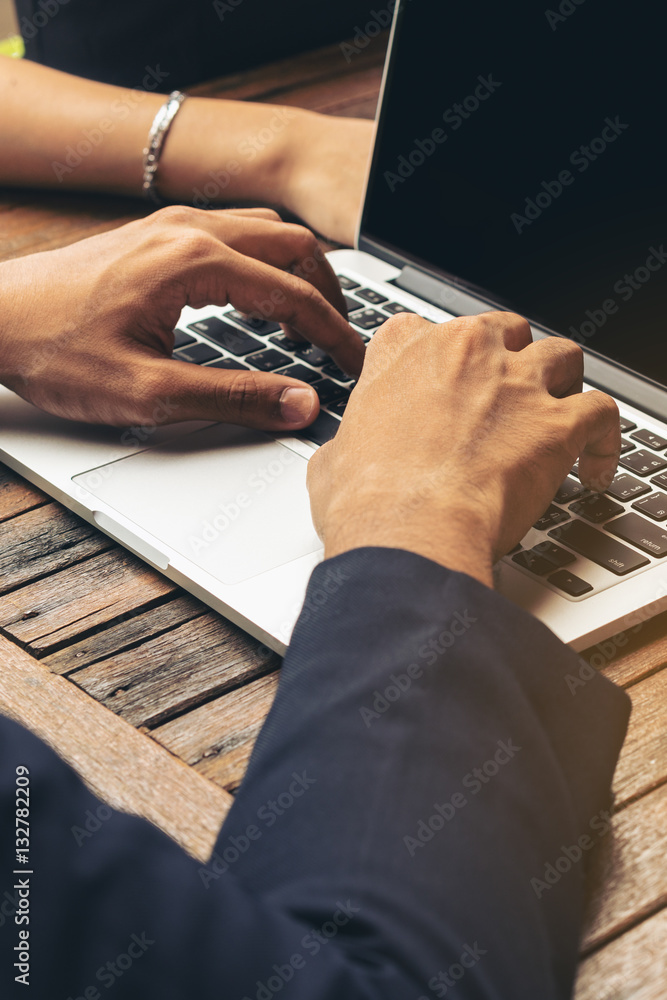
(297, 405)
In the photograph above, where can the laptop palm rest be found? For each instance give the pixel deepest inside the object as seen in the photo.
(231, 500)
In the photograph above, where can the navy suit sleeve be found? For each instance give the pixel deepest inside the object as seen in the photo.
(415, 821)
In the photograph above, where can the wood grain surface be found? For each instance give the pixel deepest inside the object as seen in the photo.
(159, 684)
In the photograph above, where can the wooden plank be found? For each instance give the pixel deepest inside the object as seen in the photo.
(634, 654)
(45, 540)
(63, 606)
(16, 495)
(634, 967)
(281, 77)
(177, 670)
(133, 629)
(126, 769)
(336, 96)
(630, 874)
(217, 738)
(643, 762)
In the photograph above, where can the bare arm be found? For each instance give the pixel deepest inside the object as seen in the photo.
(58, 130)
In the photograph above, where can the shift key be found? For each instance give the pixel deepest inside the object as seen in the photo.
(599, 547)
(648, 537)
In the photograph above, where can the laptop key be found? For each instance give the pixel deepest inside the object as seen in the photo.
(638, 531)
(534, 562)
(568, 490)
(229, 363)
(627, 425)
(626, 446)
(267, 361)
(312, 355)
(255, 323)
(596, 508)
(649, 439)
(625, 487)
(352, 304)
(329, 392)
(396, 307)
(181, 339)
(371, 296)
(301, 372)
(286, 343)
(235, 341)
(552, 516)
(197, 354)
(571, 584)
(347, 283)
(333, 371)
(368, 319)
(599, 547)
(556, 556)
(643, 463)
(339, 406)
(322, 429)
(654, 506)
(660, 480)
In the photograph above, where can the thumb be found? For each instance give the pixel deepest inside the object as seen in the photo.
(252, 399)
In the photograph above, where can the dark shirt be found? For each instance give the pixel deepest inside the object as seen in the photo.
(418, 811)
(182, 41)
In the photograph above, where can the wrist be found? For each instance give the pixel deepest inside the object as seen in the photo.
(222, 151)
(454, 538)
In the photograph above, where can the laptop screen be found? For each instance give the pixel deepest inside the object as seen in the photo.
(522, 151)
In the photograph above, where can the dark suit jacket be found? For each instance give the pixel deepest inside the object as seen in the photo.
(118, 41)
(415, 821)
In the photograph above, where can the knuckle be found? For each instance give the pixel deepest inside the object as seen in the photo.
(176, 215)
(302, 239)
(241, 395)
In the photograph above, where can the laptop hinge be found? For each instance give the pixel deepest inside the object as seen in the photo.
(438, 292)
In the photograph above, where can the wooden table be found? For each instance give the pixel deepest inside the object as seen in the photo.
(157, 700)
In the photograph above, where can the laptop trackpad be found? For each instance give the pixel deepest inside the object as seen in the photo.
(232, 500)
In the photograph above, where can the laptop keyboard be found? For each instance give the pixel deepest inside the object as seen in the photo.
(260, 345)
(582, 544)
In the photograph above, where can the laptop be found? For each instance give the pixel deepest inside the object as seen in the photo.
(518, 164)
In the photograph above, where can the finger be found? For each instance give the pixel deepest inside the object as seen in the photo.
(558, 364)
(598, 435)
(512, 329)
(259, 233)
(223, 275)
(251, 399)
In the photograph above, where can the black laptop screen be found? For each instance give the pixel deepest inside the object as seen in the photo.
(522, 150)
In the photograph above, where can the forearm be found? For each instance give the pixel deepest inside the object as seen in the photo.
(401, 681)
(58, 130)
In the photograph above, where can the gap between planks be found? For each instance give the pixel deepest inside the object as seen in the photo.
(120, 765)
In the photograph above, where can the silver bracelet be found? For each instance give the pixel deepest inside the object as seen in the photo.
(158, 133)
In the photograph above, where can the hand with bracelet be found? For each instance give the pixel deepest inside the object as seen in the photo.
(60, 131)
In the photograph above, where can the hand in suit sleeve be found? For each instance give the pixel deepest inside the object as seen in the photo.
(424, 762)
